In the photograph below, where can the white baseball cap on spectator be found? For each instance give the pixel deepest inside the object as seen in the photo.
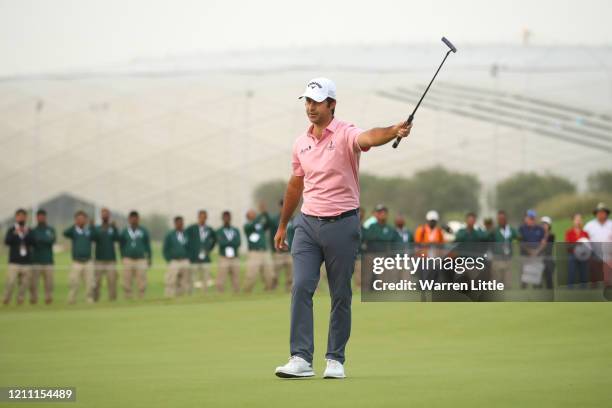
(546, 220)
(319, 89)
(432, 215)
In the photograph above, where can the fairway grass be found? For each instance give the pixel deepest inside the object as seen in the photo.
(221, 350)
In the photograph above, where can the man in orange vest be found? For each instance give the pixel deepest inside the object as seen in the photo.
(427, 237)
(429, 233)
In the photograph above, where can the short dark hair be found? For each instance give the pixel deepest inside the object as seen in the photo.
(226, 212)
(80, 212)
(202, 212)
(41, 212)
(133, 213)
(178, 218)
(470, 214)
(329, 101)
(21, 211)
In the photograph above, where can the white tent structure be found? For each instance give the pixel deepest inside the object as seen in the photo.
(183, 133)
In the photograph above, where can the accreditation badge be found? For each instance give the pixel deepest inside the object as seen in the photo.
(23, 251)
(230, 252)
(254, 237)
(202, 255)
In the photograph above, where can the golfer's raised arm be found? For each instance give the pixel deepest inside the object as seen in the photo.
(295, 187)
(381, 136)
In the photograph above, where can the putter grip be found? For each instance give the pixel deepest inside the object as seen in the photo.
(399, 139)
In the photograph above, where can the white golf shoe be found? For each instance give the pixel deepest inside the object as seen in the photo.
(334, 369)
(297, 367)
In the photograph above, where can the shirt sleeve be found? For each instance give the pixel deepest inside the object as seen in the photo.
(352, 132)
(295, 163)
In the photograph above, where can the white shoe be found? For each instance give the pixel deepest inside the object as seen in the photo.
(297, 367)
(334, 369)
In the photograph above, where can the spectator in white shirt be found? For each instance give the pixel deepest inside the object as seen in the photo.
(600, 233)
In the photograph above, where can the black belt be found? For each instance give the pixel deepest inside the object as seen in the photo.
(335, 217)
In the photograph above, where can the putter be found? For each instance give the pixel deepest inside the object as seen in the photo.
(411, 117)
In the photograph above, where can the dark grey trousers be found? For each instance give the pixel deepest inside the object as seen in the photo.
(336, 244)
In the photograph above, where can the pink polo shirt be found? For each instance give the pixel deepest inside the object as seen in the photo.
(330, 167)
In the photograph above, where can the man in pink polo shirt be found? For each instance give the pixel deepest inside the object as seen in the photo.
(325, 165)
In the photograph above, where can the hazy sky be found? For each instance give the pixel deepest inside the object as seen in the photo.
(45, 35)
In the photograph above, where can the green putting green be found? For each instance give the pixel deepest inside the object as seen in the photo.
(220, 350)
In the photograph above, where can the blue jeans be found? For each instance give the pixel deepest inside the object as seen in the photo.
(577, 267)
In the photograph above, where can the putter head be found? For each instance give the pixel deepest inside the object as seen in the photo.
(449, 44)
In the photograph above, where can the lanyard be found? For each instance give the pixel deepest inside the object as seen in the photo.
(506, 232)
(133, 233)
(229, 233)
(203, 233)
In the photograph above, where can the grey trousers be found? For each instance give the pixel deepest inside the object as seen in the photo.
(315, 242)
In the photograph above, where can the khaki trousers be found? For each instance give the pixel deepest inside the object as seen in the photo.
(200, 272)
(108, 268)
(19, 274)
(501, 270)
(80, 272)
(46, 271)
(178, 278)
(228, 266)
(134, 269)
(280, 261)
(258, 262)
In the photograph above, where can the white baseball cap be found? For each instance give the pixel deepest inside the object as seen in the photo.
(319, 89)
(432, 216)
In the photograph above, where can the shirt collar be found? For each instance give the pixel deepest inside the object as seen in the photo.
(331, 128)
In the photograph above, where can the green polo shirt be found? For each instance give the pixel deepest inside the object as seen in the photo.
(405, 236)
(105, 237)
(255, 232)
(502, 239)
(201, 241)
(81, 242)
(273, 221)
(44, 238)
(380, 238)
(475, 235)
(175, 246)
(135, 243)
(228, 237)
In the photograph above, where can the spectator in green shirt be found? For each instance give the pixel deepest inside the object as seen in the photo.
(228, 239)
(176, 253)
(258, 258)
(502, 237)
(135, 246)
(201, 240)
(470, 233)
(105, 236)
(42, 257)
(82, 267)
(404, 233)
(380, 236)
